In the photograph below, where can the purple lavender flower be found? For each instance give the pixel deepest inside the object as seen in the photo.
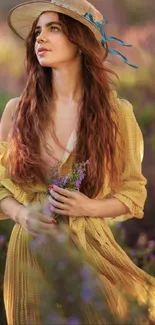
(62, 238)
(86, 293)
(65, 180)
(62, 265)
(56, 182)
(54, 318)
(88, 161)
(119, 224)
(151, 256)
(73, 321)
(70, 298)
(132, 252)
(38, 241)
(151, 244)
(2, 239)
(85, 272)
(78, 183)
(71, 181)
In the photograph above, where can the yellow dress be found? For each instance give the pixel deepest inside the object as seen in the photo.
(93, 234)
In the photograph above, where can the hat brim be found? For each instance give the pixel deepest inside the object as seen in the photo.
(21, 17)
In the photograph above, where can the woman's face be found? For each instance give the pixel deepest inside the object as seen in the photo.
(52, 47)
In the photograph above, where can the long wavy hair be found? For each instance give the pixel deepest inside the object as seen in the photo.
(97, 130)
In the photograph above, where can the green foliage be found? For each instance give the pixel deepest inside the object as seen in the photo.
(5, 231)
(142, 97)
(152, 142)
(147, 116)
(4, 98)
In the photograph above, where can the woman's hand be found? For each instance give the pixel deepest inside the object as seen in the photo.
(33, 221)
(70, 203)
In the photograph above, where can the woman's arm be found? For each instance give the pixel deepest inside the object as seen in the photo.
(8, 206)
(6, 119)
(78, 204)
(108, 208)
(130, 198)
(11, 208)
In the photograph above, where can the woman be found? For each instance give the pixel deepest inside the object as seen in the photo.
(66, 113)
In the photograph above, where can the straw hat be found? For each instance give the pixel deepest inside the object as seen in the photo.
(21, 17)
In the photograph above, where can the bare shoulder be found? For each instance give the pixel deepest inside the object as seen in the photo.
(10, 106)
(6, 120)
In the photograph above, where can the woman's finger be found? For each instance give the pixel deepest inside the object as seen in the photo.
(59, 211)
(57, 196)
(44, 218)
(43, 226)
(57, 204)
(62, 191)
(34, 234)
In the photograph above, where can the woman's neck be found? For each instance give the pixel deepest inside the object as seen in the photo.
(68, 83)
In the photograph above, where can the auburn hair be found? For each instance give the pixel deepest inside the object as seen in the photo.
(97, 127)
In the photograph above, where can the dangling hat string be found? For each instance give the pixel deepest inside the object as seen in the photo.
(105, 39)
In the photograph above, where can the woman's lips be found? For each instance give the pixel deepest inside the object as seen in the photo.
(42, 51)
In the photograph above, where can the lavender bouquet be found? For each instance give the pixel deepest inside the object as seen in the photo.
(71, 181)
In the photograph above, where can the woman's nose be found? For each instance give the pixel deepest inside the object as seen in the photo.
(41, 37)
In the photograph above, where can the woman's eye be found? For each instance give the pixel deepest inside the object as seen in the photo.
(54, 29)
(37, 34)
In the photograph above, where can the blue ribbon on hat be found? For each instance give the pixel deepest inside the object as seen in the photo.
(105, 39)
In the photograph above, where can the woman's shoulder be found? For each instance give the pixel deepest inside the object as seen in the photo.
(121, 105)
(11, 106)
(7, 116)
(125, 118)
(123, 109)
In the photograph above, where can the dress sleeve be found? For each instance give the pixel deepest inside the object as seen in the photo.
(26, 193)
(4, 191)
(132, 191)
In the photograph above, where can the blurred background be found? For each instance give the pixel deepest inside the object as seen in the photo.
(134, 22)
